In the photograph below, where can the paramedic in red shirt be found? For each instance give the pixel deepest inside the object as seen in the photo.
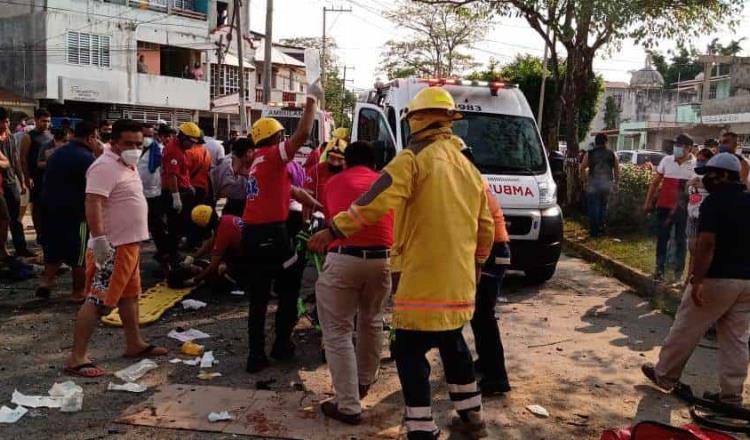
(175, 184)
(355, 283)
(671, 179)
(265, 239)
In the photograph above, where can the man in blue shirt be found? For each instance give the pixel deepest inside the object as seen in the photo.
(63, 218)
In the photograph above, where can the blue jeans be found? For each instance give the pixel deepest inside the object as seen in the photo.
(666, 224)
(597, 210)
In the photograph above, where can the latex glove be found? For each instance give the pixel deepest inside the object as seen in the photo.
(102, 249)
(188, 261)
(176, 202)
(315, 91)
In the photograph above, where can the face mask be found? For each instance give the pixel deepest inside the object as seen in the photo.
(678, 152)
(700, 163)
(335, 168)
(147, 142)
(105, 137)
(130, 157)
(724, 148)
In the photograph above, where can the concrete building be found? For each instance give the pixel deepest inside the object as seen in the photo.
(143, 59)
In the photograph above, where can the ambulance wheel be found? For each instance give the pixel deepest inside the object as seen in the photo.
(540, 275)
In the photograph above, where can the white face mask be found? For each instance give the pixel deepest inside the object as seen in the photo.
(130, 157)
(147, 141)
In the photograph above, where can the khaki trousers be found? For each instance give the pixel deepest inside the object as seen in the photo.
(350, 287)
(727, 304)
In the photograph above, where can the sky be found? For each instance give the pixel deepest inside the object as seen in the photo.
(361, 34)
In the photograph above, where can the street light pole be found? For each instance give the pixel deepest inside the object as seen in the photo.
(267, 53)
(240, 42)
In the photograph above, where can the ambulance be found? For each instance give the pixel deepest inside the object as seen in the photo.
(502, 133)
(289, 115)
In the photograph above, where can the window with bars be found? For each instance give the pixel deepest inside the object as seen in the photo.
(88, 49)
(225, 80)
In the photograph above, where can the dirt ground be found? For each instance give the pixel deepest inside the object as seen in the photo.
(573, 346)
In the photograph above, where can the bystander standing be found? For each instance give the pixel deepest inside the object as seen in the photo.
(602, 173)
(31, 144)
(12, 186)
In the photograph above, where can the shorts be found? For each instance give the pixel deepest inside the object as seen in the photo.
(64, 239)
(692, 228)
(120, 276)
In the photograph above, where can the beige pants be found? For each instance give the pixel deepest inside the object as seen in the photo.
(348, 287)
(727, 303)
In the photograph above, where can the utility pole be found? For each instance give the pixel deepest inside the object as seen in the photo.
(323, 48)
(240, 42)
(267, 64)
(540, 115)
(343, 91)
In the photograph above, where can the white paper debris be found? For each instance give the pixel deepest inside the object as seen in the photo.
(175, 361)
(192, 304)
(65, 388)
(238, 292)
(219, 416)
(8, 415)
(136, 371)
(538, 410)
(128, 386)
(191, 362)
(72, 402)
(188, 335)
(208, 359)
(35, 401)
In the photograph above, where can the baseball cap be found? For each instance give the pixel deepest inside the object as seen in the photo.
(722, 161)
(683, 139)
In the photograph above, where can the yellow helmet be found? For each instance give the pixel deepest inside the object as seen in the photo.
(201, 215)
(433, 98)
(264, 128)
(190, 129)
(341, 133)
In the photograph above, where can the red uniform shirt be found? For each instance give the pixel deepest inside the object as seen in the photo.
(228, 236)
(199, 164)
(312, 161)
(174, 163)
(268, 187)
(343, 189)
(317, 179)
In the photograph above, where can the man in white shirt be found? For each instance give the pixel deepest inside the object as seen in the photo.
(149, 169)
(213, 146)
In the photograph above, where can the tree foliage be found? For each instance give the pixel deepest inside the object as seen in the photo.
(611, 114)
(339, 100)
(683, 66)
(438, 38)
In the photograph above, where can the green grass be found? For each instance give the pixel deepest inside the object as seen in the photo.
(635, 250)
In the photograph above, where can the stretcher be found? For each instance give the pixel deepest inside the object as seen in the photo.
(151, 305)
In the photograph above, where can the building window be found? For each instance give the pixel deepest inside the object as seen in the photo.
(88, 49)
(225, 80)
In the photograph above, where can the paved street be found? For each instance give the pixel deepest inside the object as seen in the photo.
(574, 346)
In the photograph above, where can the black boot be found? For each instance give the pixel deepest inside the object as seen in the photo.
(256, 362)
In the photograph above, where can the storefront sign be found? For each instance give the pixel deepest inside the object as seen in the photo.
(729, 118)
(75, 89)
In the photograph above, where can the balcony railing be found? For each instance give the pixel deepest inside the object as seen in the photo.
(197, 9)
(258, 95)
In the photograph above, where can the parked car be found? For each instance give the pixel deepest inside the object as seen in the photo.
(639, 157)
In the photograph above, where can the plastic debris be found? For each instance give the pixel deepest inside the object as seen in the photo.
(192, 304)
(8, 415)
(175, 361)
(188, 335)
(127, 386)
(35, 401)
(219, 416)
(136, 371)
(192, 362)
(208, 375)
(71, 395)
(538, 410)
(64, 388)
(191, 348)
(208, 359)
(238, 292)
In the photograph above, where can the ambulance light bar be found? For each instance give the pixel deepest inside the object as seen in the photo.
(466, 82)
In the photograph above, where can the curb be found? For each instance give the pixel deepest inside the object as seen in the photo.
(641, 282)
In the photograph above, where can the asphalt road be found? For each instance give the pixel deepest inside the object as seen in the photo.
(574, 346)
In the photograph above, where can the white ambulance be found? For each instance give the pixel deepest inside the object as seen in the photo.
(289, 115)
(501, 131)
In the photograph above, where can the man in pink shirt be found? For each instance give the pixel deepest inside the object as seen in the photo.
(117, 212)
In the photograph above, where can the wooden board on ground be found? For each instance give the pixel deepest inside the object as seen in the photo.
(268, 414)
(151, 305)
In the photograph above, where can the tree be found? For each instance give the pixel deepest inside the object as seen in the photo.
(585, 28)
(611, 114)
(338, 99)
(439, 35)
(733, 48)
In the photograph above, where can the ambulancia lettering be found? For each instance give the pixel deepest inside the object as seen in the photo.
(512, 190)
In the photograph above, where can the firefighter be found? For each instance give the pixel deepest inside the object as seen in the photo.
(443, 235)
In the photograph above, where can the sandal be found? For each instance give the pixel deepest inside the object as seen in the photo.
(78, 370)
(146, 352)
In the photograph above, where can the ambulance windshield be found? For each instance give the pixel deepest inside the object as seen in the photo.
(502, 144)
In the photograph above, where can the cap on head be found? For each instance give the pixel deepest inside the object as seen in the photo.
(684, 140)
(201, 215)
(721, 161)
(191, 130)
(433, 98)
(264, 128)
